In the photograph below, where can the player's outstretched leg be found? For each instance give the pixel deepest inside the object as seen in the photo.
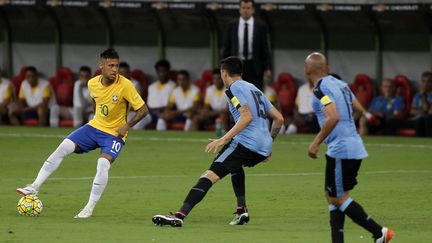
(51, 164)
(99, 183)
(356, 212)
(238, 183)
(195, 195)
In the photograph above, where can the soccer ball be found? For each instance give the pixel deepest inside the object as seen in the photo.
(30, 206)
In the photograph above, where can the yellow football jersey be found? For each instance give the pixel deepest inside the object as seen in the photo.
(112, 103)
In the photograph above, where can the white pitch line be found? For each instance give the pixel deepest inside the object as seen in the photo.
(248, 175)
(202, 140)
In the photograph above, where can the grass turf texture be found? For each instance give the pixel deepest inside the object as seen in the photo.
(155, 171)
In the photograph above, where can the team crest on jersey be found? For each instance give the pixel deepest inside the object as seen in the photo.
(115, 98)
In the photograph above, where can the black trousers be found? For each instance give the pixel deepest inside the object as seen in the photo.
(251, 75)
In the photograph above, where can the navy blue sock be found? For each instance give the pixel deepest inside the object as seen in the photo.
(238, 183)
(337, 221)
(196, 194)
(355, 211)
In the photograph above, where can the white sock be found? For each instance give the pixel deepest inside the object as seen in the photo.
(99, 183)
(54, 116)
(54, 160)
(292, 129)
(77, 113)
(161, 125)
(188, 124)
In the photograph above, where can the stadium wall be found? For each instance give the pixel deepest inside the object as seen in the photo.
(380, 40)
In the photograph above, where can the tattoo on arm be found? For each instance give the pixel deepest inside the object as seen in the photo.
(274, 132)
(140, 113)
(243, 109)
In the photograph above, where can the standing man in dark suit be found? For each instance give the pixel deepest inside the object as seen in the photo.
(253, 50)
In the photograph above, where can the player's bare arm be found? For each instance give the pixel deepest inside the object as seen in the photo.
(359, 107)
(278, 121)
(331, 119)
(244, 120)
(140, 114)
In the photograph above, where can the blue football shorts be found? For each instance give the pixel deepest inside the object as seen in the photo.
(89, 138)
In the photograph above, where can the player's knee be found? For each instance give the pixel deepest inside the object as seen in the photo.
(103, 164)
(108, 157)
(67, 146)
(213, 177)
(338, 201)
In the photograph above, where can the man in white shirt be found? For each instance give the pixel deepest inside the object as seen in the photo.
(34, 99)
(159, 93)
(183, 103)
(215, 105)
(303, 112)
(6, 97)
(82, 102)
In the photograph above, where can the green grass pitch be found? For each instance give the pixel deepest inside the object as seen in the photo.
(155, 171)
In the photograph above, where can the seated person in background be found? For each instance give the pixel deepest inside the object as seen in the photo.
(159, 92)
(215, 105)
(6, 97)
(270, 93)
(82, 102)
(421, 108)
(183, 103)
(303, 112)
(124, 70)
(360, 113)
(386, 110)
(34, 99)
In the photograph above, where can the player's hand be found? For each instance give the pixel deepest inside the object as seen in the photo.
(313, 150)
(214, 145)
(368, 115)
(121, 131)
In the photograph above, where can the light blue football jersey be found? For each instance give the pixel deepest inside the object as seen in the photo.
(256, 136)
(343, 142)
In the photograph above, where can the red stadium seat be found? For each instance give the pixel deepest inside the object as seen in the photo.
(65, 75)
(205, 80)
(141, 77)
(17, 80)
(179, 126)
(200, 83)
(403, 89)
(97, 72)
(362, 88)
(31, 122)
(286, 91)
(62, 85)
(64, 94)
(173, 75)
(54, 81)
(207, 76)
(66, 123)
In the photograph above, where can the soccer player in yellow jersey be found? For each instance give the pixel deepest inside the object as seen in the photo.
(112, 96)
